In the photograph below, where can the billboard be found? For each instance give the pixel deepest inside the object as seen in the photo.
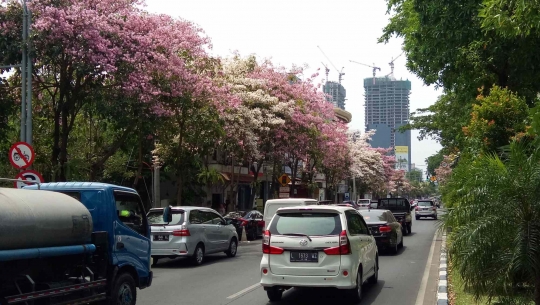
(402, 157)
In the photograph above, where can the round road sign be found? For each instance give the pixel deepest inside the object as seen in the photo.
(30, 176)
(21, 155)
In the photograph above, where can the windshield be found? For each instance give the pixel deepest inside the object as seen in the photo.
(372, 216)
(234, 215)
(312, 224)
(425, 203)
(364, 201)
(156, 217)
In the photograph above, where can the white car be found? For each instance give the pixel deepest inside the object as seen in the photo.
(318, 246)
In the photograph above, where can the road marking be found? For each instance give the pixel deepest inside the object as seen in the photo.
(423, 285)
(241, 292)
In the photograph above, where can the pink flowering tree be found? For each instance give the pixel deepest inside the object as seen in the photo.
(367, 163)
(107, 54)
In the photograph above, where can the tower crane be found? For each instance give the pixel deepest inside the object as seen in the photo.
(326, 70)
(340, 73)
(374, 68)
(391, 63)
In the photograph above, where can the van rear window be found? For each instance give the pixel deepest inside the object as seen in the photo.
(155, 217)
(312, 224)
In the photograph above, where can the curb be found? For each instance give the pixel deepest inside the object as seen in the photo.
(442, 290)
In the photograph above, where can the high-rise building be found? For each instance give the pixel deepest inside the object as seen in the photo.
(386, 110)
(335, 94)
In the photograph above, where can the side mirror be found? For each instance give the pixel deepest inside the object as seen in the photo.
(167, 215)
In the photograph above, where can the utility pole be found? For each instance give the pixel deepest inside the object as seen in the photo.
(23, 71)
(29, 135)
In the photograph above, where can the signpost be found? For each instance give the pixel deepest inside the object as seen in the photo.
(21, 155)
(30, 176)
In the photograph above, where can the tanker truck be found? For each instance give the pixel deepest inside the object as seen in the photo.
(73, 243)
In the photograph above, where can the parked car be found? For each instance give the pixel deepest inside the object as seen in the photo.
(425, 208)
(385, 229)
(401, 209)
(251, 221)
(192, 232)
(364, 203)
(318, 246)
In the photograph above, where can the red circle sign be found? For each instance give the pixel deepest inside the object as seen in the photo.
(21, 155)
(30, 176)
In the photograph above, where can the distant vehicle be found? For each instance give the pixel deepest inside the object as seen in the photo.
(425, 208)
(364, 203)
(73, 243)
(252, 222)
(385, 229)
(318, 246)
(272, 205)
(191, 232)
(401, 209)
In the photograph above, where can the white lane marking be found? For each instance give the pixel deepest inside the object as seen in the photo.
(427, 269)
(239, 293)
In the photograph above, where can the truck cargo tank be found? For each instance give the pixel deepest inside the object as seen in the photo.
(36, 219)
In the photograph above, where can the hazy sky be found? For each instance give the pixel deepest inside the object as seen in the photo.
(289, 32)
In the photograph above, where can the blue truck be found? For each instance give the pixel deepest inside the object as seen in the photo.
(73, 243)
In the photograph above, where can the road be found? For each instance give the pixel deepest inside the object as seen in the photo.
(234, 281)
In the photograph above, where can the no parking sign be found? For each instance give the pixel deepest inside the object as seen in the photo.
(31, 176)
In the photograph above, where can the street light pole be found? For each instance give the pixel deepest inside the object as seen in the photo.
(29, 135)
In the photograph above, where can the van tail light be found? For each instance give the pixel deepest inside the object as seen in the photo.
(182, 232)
(344, 246)
(385, 229)
(267, 249)
(243, 222)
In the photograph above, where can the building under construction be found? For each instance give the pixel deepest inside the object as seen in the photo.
(335, 94)
(386, 110)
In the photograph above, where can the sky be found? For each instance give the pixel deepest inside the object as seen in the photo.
(289, 31)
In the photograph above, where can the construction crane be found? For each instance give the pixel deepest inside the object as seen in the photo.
(391, 63)
(326, 70)
(374, 68)
(340, 73)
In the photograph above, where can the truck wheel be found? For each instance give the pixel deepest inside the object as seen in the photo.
(124, 291)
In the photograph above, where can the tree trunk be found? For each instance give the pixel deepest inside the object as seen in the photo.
(179, 190)
(537, 290)
(56, 146)
(255, 179)
(63, 145)
(140, 164)
(294, 171)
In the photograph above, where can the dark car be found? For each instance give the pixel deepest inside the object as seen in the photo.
(401, 209)
(252, 222)
(385, 229)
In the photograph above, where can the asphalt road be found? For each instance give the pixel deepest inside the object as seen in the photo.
(234, 281)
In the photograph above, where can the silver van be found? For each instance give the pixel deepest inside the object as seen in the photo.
(193, 232)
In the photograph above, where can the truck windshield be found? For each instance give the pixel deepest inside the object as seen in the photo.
(155, 218)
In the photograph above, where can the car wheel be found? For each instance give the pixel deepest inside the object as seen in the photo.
(356, 292)
(233, 248)
(417, 218)
(375, 277)
(274, 294)
(400, 245)
(198, 255)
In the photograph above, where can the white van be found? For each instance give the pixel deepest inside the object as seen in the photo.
(273, 205)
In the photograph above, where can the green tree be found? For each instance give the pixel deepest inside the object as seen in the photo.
(433, 162)
(494, 211)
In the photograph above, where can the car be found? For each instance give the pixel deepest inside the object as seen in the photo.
(252, 222)
(425, 208)
(385, 229)
(364, 203)
(193, 233)
(401, 209)
(318, 246)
